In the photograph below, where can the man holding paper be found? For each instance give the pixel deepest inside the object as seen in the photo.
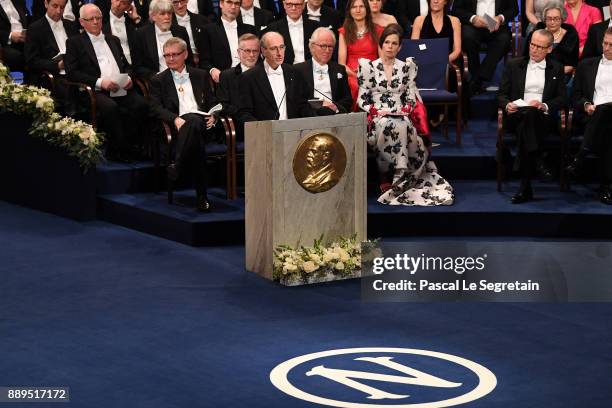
(179, 95)
(484, 21)
(531, 92)
(97, 60)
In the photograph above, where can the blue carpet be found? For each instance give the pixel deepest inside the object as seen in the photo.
(130, 320)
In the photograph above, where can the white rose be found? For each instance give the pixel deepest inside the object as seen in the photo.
(339, 266)
(310, 266)
(289, 267)
(342, 254)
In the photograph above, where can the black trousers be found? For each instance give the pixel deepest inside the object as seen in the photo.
(498, 45)
(122, 118)
(13, 56)
(530, 125)
(597, 138)
(190, 153)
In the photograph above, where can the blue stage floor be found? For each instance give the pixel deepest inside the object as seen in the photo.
(126, 319)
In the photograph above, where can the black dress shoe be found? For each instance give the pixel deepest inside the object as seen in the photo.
(573, 168)
(202, 204)
(606, 195)
(522, 196)
(544, 172)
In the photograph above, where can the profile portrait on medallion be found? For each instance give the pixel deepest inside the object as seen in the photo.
(319, 162)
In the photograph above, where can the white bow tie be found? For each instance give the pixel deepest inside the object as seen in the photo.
(276, 71)
(98, 39)
(605, 61)
(56, 25)
(180, 78)
(119, 19)
(314, 13)
(540, 65)
(321, 70)
(233, 24)
(295, 24)
(185, 19)
(247, 13)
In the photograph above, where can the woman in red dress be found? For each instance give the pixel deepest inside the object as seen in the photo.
(358, 38)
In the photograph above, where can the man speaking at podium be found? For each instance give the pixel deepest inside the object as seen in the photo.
(325, 79)
(273, 90)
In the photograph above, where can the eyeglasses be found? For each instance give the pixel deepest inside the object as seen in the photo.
(94, 18)
(252, 52)
(553, 19)
(325, 47)
(538, 47)
(276, 49)
(293, 5)
(177, 2)
(232, 3)
(172, 55)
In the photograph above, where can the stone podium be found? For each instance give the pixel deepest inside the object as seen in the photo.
(285, 166)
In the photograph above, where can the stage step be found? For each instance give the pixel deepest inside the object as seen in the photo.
(479, 210)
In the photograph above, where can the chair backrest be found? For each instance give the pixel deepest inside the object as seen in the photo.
(431, 56)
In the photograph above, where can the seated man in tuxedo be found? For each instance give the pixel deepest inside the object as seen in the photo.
(541, 84)
(592, 96)
(97, 60)
(228, 92)
(273, 90)
(475, 31)
(13, 25)
(71, 11)
(325, 79)
(147, 56)
(221, 39)
(295, 30)
(255, 16)
(176, 92)
(122, 24)
(194, 24)
(324, 15)
(592, 47)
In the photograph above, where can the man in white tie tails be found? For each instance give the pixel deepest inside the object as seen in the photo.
(176, 93)
(531, 92)
(123, 25)
(194, 24)
(295, 30)
(98, 61)
(273, 90)
(325, 79)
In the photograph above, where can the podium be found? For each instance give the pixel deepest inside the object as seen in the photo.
(304, 178)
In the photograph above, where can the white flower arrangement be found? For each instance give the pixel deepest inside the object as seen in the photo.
(78, 138)
(319, 263)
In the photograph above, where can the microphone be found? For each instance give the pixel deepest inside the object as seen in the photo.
(340, 107)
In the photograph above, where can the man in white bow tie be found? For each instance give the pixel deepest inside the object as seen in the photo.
(325, 79)
(98, 61)
(592, 100)
(295, 30)
(531, 92)
(176, 93)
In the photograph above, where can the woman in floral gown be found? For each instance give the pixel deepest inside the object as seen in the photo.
(387, 91)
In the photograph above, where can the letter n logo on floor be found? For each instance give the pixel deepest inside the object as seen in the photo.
(383, 377)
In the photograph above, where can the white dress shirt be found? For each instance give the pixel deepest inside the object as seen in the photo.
(231, 31)
(59, 33)
(184, 90)
(424, 7)
(244, 68)
(118, 29)
(534, 81)
(277, 83)
(185, 21)
(313, 14)
(485, 7)
(13, 16)
(256, 3)
(161, 37)
(192, 5)
(603, 83)
(68, 13)
(248, 16)
(105, 57)
(321, 81)
(296, 32)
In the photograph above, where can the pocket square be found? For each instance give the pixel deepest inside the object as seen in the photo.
(263, 28)
(339, 75)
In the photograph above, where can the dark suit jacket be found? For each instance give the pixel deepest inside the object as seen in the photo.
(271, 6)
(130, 28)
(81, 62)
(407, 11)
(206, 9)
(39, 11)
(593, 45)
(465, 9)
(282, 26)
(164, 101)
(144, 54)
(341, 92)
(198, 23)
(584, 82)
(40, 45)
(512, 85)
(262, 18)
(340, 6)
(216, 49)
(330, 18)
(228, 91)
(257, 99)
(5, 23)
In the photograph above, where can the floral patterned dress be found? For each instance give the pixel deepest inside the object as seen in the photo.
(395, 139)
